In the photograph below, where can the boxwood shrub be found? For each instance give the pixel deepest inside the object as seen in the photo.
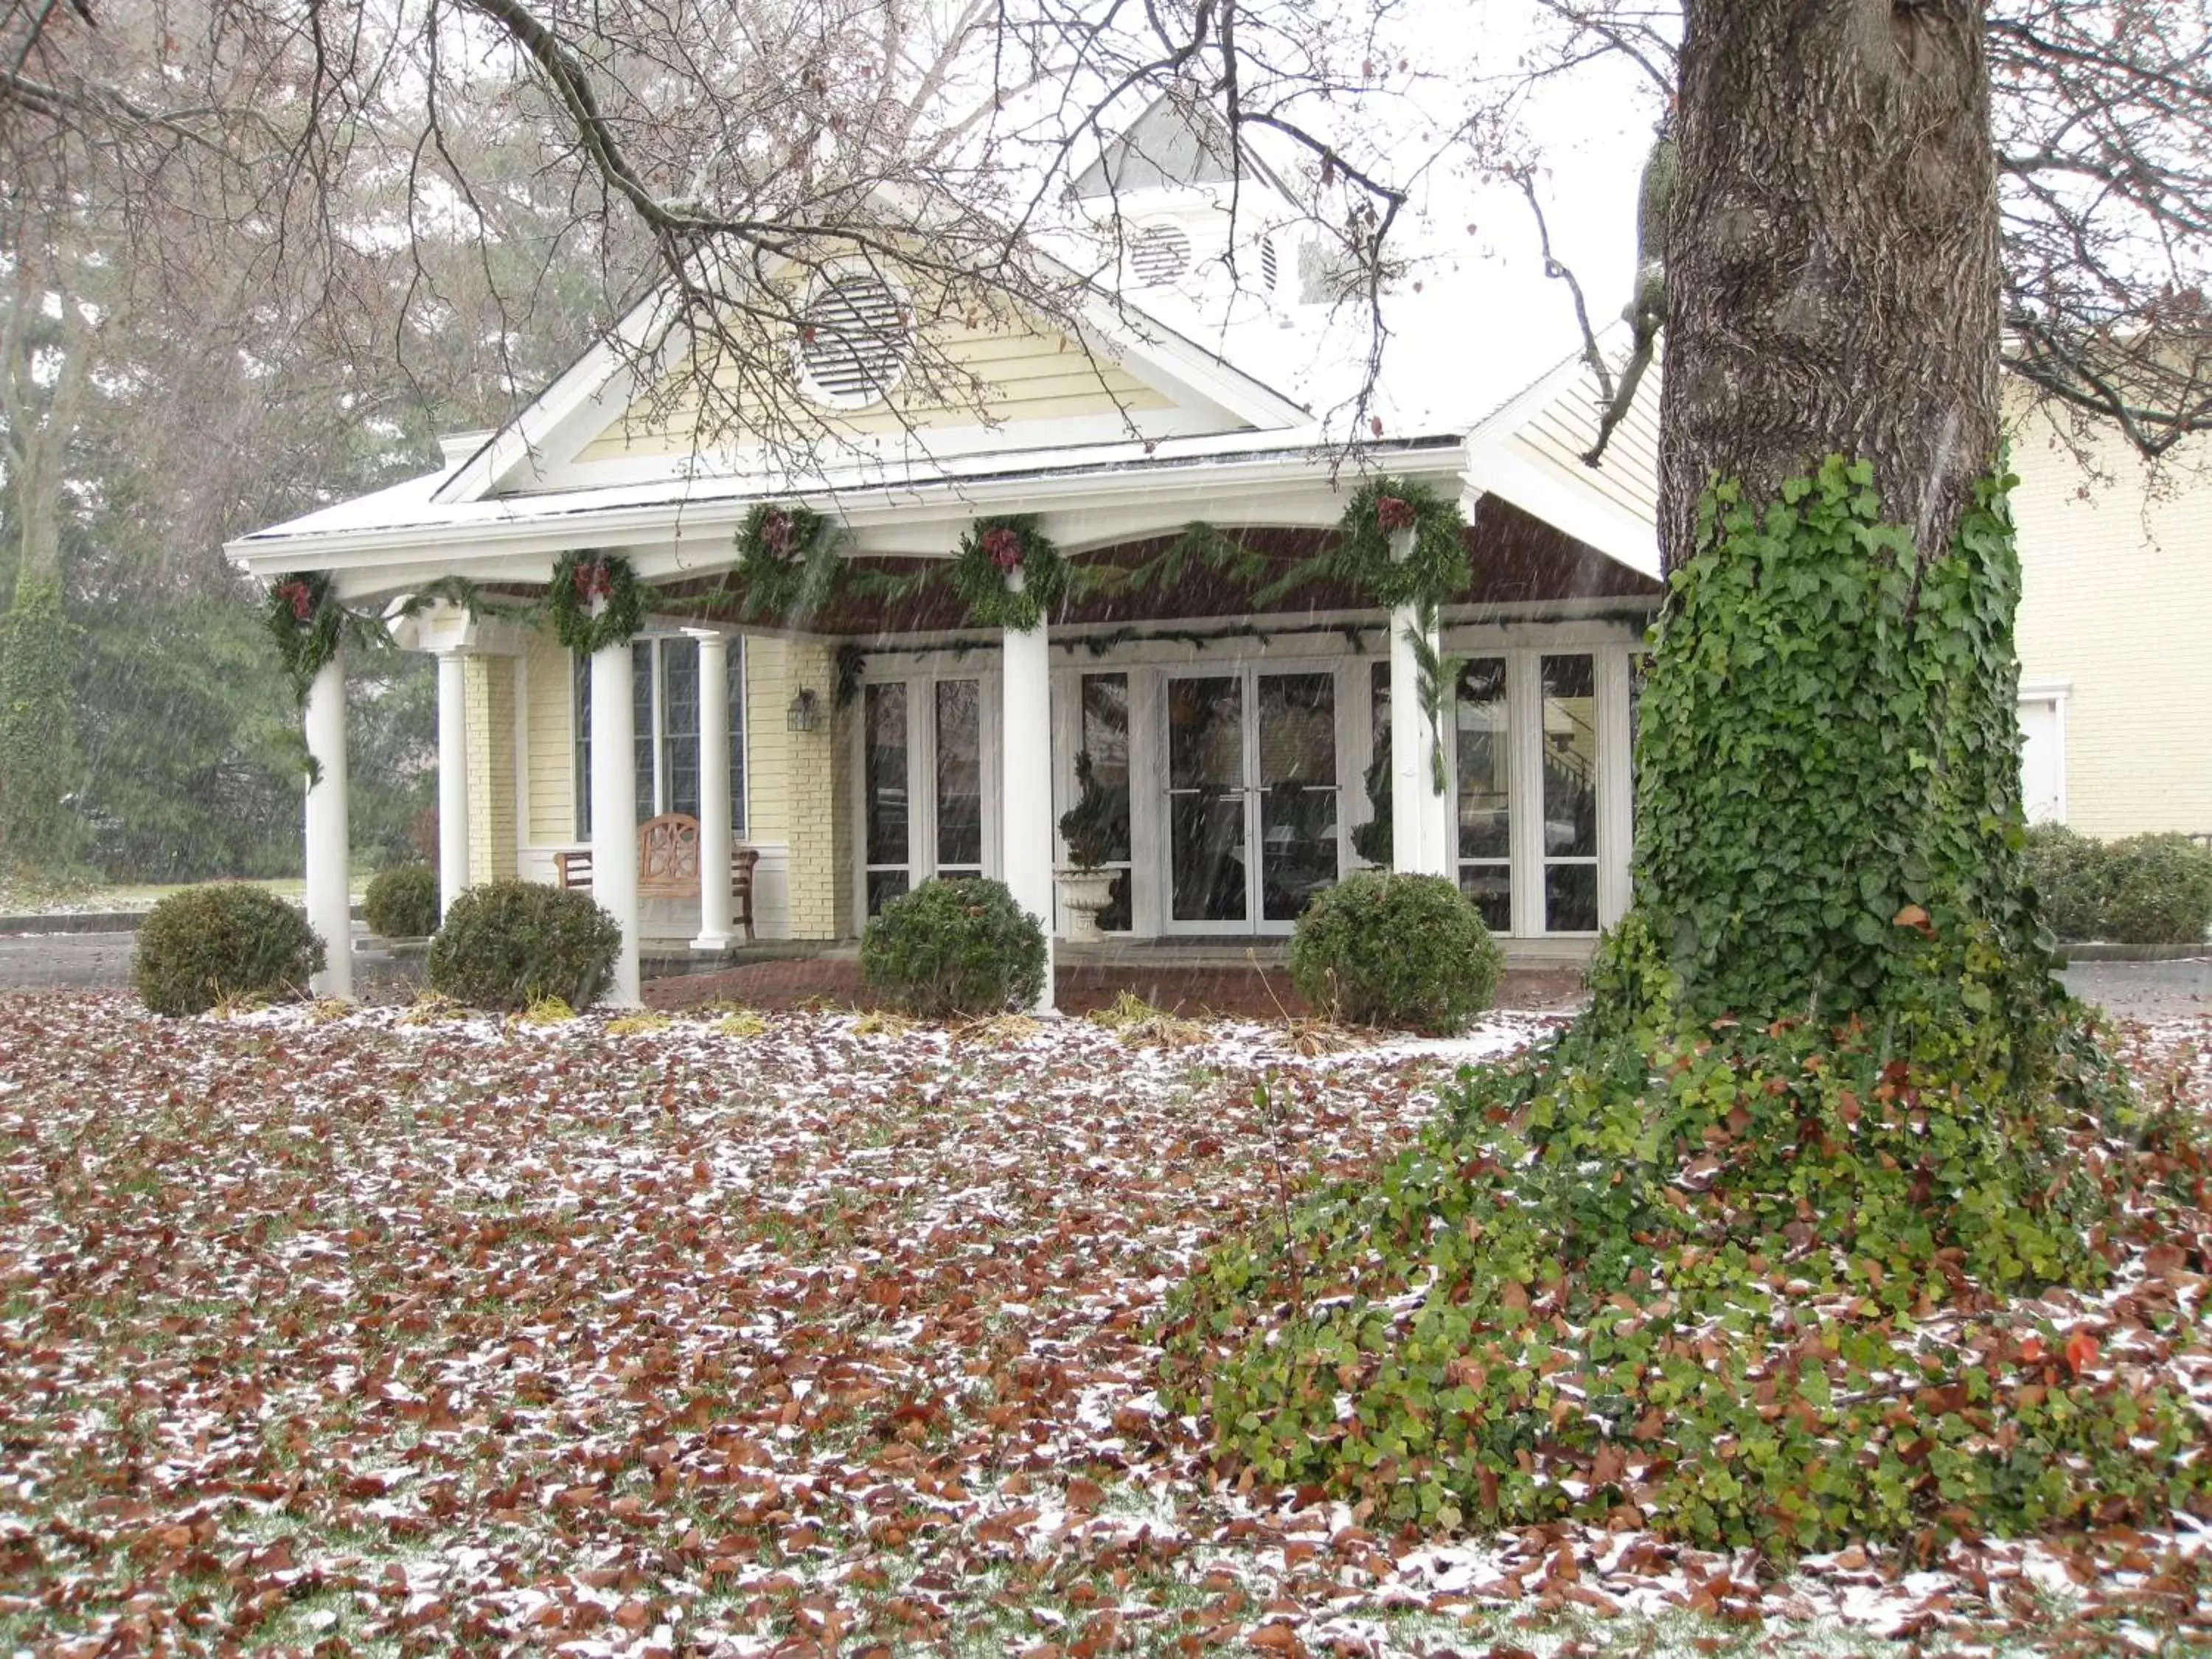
(402, 902)
(2067, 871)
(508, 943)
(962, 946)
(2147, 890)
(2157, 890)
(1381, 949)
(228, 939)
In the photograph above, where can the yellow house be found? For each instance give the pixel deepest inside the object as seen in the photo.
(1251, 738)
(2115, 632)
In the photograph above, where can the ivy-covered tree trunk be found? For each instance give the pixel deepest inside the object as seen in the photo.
(1830, 762)
(1832, 256)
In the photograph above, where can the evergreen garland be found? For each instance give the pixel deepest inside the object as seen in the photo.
(306, 625)
(788, 560)
(1435, 572)
(582, 578)
(990, 553)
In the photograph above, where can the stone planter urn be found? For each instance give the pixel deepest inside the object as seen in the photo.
(1083, 895)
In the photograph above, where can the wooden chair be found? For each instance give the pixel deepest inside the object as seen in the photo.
(668, 866)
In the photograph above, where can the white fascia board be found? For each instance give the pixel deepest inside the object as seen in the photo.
(1566, 505)
(520, 442)
(670, 539)
(1189, 368)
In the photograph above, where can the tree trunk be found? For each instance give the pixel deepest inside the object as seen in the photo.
(1832, 256)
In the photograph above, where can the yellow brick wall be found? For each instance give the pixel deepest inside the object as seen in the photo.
(552, 744)
(817, 817)
(489, 705)
(2117, 603)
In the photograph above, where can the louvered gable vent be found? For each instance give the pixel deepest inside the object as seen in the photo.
(853, 346)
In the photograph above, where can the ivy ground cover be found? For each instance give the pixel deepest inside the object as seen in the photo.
(399, 1332)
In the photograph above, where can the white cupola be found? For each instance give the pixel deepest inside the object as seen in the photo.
(1190, 225)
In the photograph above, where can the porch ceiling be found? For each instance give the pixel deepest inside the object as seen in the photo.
(1516, 558)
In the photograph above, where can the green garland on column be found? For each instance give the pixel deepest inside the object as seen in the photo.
(306, 625)
(990, 553)
(582, 578)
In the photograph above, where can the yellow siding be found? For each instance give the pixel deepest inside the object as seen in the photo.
(489, 706)
(2116, 603)
(551, 743)
(768, 743)
(1019, 375)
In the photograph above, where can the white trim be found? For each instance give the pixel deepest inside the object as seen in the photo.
(1566, 505)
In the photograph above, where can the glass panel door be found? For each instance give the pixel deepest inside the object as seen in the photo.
(1207, 874)
(1570, 760)
(1482, 743)
(1296, 720)
(1105, 738)
(959, 777)
(884, 785)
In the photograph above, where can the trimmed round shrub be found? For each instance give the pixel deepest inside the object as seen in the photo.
(2157, 890)
(2069, 873)
(962, 946)
(402, 902)
(204, 944)
(1379, 949)
(508, 944)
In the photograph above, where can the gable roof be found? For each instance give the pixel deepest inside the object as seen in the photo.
(1179, 140)
(1530, 452)
(1137, 362)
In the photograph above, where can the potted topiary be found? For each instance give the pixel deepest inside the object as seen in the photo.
(1095, 828)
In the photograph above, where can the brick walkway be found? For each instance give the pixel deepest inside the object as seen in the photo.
(1233, 993)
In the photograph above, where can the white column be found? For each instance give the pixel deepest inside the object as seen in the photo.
(715, 830)
(1026, 842)
(614, 811)
(330, 900)
(452, 777)
(1418, 811)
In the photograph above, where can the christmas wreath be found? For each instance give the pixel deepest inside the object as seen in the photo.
(306, 623)
(788, 560)
(992, 553)
(580, 581)
(1433, 573)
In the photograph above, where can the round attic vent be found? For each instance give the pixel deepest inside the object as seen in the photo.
(1159, 255)
(853, 344)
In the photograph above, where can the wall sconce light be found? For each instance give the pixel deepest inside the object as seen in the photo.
(805, 714)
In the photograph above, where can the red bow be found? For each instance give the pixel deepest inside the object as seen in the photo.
(1003, 547)
(1393, 513)
(593, 580)
(300, 597)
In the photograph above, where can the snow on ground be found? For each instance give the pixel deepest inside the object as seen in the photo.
(808, 1333)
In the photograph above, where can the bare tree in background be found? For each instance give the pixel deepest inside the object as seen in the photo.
(2101, 118)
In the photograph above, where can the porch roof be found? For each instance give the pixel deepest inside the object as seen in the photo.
(1515, 559)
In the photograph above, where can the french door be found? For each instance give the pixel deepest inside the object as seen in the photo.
(1252, 793)
(927, 755)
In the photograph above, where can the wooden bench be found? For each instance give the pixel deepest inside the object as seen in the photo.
(668, 866)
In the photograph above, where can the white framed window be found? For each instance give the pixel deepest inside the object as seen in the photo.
(664, 693)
